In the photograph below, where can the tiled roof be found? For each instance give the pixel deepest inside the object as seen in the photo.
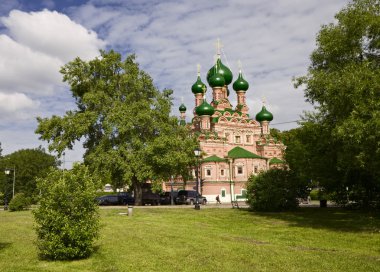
(276, 161)
(214, 158)
(238, 153)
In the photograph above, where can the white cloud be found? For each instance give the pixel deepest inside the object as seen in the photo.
(16, 106)
(52, 33)
(37, 45)
(25, 70)
(33, 47)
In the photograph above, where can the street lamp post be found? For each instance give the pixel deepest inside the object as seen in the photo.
(171, 191)
(197, 153)
(7, 172)
(5, 196)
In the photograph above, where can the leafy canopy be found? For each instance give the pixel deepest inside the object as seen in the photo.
(28, 164)
(343, 82)
(123, 120)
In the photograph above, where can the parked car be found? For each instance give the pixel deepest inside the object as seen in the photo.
(126, 198)
(151, 198)
(122, 198)
(189, 197)
(108, 200)
(165, 197)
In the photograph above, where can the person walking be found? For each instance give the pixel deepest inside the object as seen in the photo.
(218, 200)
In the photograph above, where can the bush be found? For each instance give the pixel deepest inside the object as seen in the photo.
(1, 199)
(68, 216)
(275, 190)
(314, 194)
(19, 202)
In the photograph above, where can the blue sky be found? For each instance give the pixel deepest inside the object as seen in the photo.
(273, 39)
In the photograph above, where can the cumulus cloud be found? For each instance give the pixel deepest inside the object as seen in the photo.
(37, 44)
(25, 70)
(53, 34)
(16, 104)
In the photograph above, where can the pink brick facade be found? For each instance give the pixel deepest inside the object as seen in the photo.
(233, 144)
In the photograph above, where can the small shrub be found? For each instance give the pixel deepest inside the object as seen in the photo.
(275, 190)
(314, 194)
(68, 217)
(19, 202)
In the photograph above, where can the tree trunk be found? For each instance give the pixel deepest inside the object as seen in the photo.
(137, 190)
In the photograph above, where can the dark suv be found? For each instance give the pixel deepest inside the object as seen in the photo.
(189, 197)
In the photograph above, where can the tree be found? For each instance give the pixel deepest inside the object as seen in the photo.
(68, 216)
(275, 190)
(28, 164)
(343, 83)
(128, 133)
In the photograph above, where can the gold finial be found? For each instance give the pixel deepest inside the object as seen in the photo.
(182, 99)
(239, 65)
(218, 47)
(215, 58)
(263, 99)
(198, 69)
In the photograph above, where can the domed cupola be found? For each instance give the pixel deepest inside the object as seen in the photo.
(217, 80)
(198, 86)
(220, 68)
(240, 84)
(204, 109)
(264, 115)
(182, 108)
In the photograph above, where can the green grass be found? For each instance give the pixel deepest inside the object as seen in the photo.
(156, 239)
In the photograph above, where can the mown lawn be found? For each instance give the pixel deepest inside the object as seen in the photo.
(156, 239)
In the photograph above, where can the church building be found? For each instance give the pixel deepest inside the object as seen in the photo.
(233, 144)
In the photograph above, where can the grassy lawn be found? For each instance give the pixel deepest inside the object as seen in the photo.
(156, 239)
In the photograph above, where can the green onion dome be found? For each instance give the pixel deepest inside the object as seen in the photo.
(220, 68)
(182, 108)
(217, 80)
(198, 86)
(264, 115)
(204, 109)
(240, 84)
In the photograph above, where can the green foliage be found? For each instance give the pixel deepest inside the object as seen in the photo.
(28, 164)
(125, 120)
(67, 218)
(275, 190)
(314, 194)
(104, 193)
(19, 202)
(343, 80)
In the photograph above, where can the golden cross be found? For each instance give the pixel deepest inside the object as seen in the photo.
(218, 46)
